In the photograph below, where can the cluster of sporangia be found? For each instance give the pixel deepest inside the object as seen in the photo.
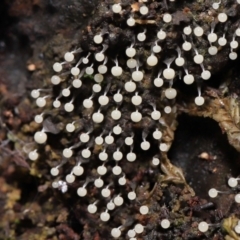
(101, 101)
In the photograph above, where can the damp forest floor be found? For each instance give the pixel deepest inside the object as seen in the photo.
(30, 209)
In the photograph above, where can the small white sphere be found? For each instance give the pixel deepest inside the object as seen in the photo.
(103, 100)
(54, 171)
(143, 10)
(116, 114)
(105, 216)
(57, 67)
(97, 117)
(68, 107)
(179, 61)
(131, 63)
(136, 100)
(156, 49)
(55, 80)
(237, 229)
(92, 208)
(165, 223)
(35, 93)
(132, 195)
(167, 109)
(212, 37)
(233, 55)
(56, 103)
(84, 137)
(116, 8)
(141, 37)
(70, 178)
(233, 44)
(122, 181)
(116, 233)
(99, 140)
(212, 193)
(89, 70)
(155, 161)
(98, 39)
(98, 78)
(161, 35)
(163, 147)
(169, 73)
(167, 17)
(102, 69)
(237, 198)
(77, 83)
(109, 139)
(40, 137)
(86, 153)
(116, 71)
(68, 56)
(152, 60)
(75, 71)
(158, 82)
(137, 76)
(144, 210)
(131, 233)
(99, 56)
(33, 155)
(145, 145)
(199, 101)
(130, 52)
(131, 157)
(85, 60)
(87, 103)
(41, 102)
(103, 156)
(38, 118)
(203, 226)
(110, 206)
(186, 46)
(187, 30)
(101, 170)
(66, 92)
(117, 97)
(105, 192)
(82, 192)
(198, 31)
(155, 115)
(238, 29)
(98, 183)
(215, 5)
(117, 155)
(198, 59)
(170, 93)
(138, 228)
(222, 41)
(129, 141)
(188, 79)
(222, 17)
(136, 116)
(212, 50)
(55, 185)
(130, 86)
(67, 152)
(117, 130)
(131, 22)
(78, 170)
(157, 134)
(118, 201)
(205, 74)
(232, 182)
